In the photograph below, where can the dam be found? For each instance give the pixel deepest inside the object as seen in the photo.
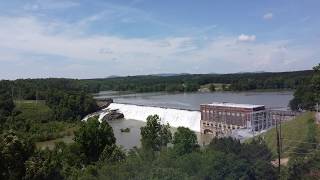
(175, 117)
(254, 122)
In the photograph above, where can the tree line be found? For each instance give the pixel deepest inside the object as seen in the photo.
(192, 82)
(307, 95)
(67, 98)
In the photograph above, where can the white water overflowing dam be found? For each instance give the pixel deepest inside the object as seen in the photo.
(175, 117)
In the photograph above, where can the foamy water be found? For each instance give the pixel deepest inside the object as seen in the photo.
(175, 117)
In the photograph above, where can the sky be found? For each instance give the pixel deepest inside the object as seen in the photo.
(100, 38)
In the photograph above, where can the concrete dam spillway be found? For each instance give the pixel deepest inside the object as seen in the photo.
(175, 117)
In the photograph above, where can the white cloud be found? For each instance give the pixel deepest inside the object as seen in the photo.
(24, 38)
(246, 38)
(268, 16)
(34, 38)
(50, 4)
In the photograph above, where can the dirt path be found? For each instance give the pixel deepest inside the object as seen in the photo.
(283, 162)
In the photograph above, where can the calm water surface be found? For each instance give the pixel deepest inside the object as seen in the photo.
(193, 100)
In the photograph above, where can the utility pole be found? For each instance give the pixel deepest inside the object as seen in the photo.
(36, 96)
(280, 132)
(278, 149)
(12, 92)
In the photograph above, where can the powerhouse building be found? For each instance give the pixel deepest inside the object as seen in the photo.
(221, 118)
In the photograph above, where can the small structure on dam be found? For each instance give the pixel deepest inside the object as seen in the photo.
(221, 119)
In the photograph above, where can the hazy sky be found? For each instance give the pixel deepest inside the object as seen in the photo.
(98, 38)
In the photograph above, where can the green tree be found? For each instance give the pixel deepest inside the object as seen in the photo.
(43, 165)
(6, 108)
(224, 87)
(14, 151)
(154, 135)
(184, 140)
(307, 95)
(212, 87)
(112, 154)
(93, 137)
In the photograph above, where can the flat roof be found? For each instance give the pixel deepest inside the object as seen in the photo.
(226, 104)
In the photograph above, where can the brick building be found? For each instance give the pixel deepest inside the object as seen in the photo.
(221, 118)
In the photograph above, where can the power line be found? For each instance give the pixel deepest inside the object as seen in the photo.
(278, 150)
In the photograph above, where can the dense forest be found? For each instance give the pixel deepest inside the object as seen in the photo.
(94, 155)
(31, 89)
(43, 109)
(192, 82)
(307, 95)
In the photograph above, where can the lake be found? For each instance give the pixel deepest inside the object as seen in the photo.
(192, 101)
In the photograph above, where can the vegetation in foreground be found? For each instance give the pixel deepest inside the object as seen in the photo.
(94, 155)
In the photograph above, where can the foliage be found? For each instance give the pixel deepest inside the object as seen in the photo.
(184, 141)
(93, 137)
(14, 151)
(212, 87)
(42, 166)
(154, 135)
(112, 154)
(307, 95)
(6, 108)
(192, 82)
(199, 164)
(34, 120)
(71, 106)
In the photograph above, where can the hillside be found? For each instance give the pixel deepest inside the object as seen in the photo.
(35, 120)
(294, 133)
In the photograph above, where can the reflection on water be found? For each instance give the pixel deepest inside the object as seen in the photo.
(130, 139)
(125, 139)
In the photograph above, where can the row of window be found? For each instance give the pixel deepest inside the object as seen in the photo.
(225, 113)
(221, 126)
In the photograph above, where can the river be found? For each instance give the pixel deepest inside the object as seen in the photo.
(189, 101)
(192, 101)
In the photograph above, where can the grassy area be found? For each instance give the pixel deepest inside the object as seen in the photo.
(33, 110)
(35, 120)
(293, 132)
(218, 86)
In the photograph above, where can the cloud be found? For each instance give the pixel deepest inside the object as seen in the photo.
(268, 16)
(246, 38)
(46, 48)
(35, 38)
(49, 5)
